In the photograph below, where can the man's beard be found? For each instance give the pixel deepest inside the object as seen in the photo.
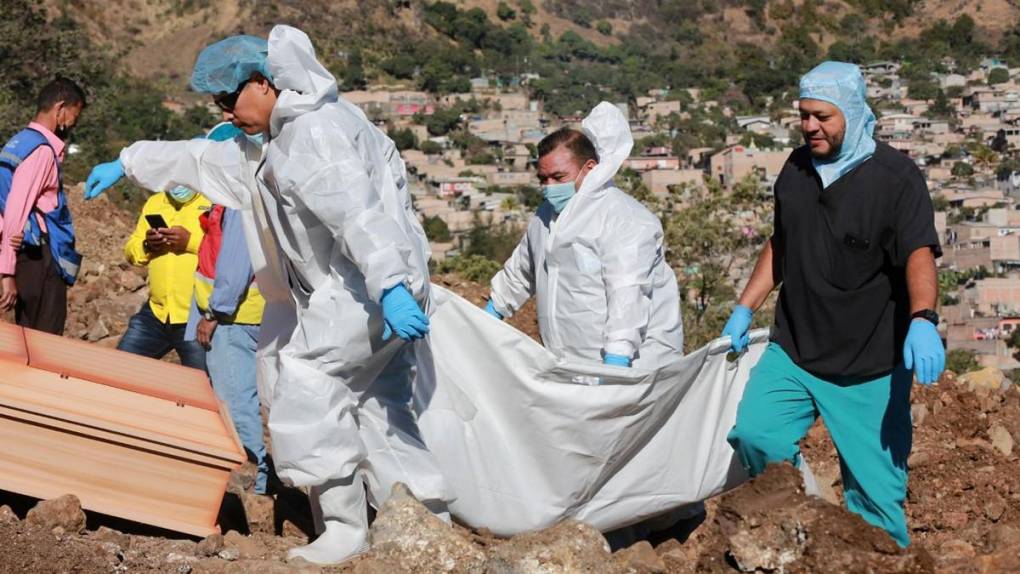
(834, 149)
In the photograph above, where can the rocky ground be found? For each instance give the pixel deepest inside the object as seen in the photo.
(963, 505)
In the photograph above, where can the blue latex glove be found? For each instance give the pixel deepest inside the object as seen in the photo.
(103, 177)
(402, 315)
(737, 327)
(616, 360)
(491, 309)
(923, 351)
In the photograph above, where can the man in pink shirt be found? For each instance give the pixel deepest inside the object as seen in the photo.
(34, 279)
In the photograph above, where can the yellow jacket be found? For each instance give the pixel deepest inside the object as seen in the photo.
(171, 276)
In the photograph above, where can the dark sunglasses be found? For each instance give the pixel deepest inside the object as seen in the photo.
(226, 102)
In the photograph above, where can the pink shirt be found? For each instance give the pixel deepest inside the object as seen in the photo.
(34, 186)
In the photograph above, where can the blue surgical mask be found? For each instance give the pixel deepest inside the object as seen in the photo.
(257, 139)
(181, 194)
(558, 194)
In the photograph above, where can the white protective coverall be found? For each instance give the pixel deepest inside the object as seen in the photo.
(597, 269)
(330, 225)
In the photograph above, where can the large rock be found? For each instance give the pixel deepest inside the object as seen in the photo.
(7, 515)
(98, 331)
(405, 533)
(245, 546)
(1004, 537)
(1002, 441)
(64, 512)
(210, 545)
(570, 546)
(639, 558)
(130, 280)
(985, 381)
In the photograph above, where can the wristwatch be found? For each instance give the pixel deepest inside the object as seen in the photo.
(927, 314)
(208, 315)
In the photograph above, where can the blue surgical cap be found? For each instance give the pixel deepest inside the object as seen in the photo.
(223, 132)
(225, 65)
(842, 85)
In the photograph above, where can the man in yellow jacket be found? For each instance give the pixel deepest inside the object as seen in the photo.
(170, 251)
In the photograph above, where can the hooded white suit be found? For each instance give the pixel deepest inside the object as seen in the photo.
(597, 269)
(330, 226)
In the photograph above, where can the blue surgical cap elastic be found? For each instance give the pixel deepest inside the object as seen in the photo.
(222, 67)
(223, 132)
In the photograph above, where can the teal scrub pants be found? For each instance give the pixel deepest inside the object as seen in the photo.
(868, 419)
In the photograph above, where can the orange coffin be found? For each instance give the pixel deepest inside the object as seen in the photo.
(129, 436)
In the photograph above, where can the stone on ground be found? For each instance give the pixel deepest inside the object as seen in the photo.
(63, 512)
(405, 533)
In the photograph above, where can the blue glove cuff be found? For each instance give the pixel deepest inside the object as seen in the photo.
(395, 289)
(743, 310)
(616, 360)
(491, 309)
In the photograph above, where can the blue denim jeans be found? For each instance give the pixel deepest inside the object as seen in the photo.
(231, 362)
(148, 336)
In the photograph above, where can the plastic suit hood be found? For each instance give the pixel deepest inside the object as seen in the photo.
(304, 83)
(597, 269)
(842, 85)
(606, 127)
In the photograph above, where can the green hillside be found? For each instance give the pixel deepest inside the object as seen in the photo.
(746, 53)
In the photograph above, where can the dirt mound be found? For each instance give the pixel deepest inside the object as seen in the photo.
(771, 525)
(109, 290)
(525, 320)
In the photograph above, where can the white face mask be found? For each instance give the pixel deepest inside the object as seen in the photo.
(558, 194)
(181, 194)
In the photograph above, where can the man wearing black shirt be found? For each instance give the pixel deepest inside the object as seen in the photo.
(854, 248)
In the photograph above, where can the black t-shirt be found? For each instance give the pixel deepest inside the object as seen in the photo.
(841, 253)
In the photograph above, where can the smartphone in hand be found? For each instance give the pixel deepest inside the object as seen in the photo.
(156, 221)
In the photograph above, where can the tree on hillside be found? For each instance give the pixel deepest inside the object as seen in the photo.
(403, 139)
(436, 229)
(353, 75)
(962, 169)
(898, 9)
(504, 12)
(442, 121)
(922, 88)
(429, 147)
(941, 107)
(984, 156)
(962, 361)
(998, 76)
(704, 241)
(471, 267)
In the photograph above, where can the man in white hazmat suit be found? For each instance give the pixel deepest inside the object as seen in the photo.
(593, 258)
(329, 218)
(593, 255)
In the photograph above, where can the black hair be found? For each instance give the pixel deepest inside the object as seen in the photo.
(60, 89)
(578, 144)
